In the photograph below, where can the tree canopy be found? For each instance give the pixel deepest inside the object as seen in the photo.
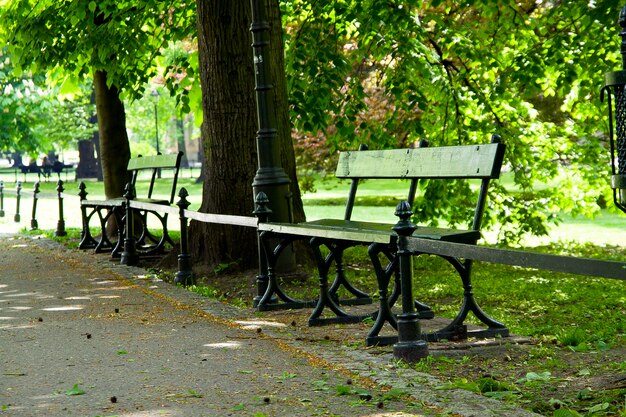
(71, 39)
(387, 73)
(391, 73)
(33, 119)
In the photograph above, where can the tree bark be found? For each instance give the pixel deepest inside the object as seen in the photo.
(114, 148)
(230, 125)
(87, 163)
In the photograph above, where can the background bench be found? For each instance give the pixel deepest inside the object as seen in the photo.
(147, 243)
(482, 162)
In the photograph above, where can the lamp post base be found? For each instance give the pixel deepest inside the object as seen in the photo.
(411, 351)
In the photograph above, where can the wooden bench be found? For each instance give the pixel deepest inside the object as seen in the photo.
(31, 169)
(58, 167)
(479, 162)
(106, 210)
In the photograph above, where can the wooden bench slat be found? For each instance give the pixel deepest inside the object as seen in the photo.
(359, 231)
(470, 161)
(311, 230)
(113, 202)
(153, 161)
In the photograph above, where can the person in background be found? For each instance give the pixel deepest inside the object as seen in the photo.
(46, 168)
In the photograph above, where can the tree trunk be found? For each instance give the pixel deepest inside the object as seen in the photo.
(228, 130)
(95, 139)
(114, 148)
(87, 163)
(229, 127)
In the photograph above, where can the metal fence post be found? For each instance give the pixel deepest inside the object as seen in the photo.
(129, 254)
(1, 198)
(262, 212)
(86, 240)
(410, 347)
(61, 223)
(33, 221)
(18, 192)
(184, 275)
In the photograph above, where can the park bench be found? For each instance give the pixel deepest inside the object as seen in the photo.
(472, 162)
(31, 169)
(59, 167)
(105, 210)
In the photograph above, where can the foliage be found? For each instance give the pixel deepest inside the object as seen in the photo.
(390, 73)
(114, 42)
(33, 120)
(70, 40)
(144, 114)
(383, 73)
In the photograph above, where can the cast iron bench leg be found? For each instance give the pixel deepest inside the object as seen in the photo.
(104, 242)
(325, 298)
(87, 241)
(157, 244)
(424, 311)
(457, 329)
(274, 297)
(384, 314)
(120, 219)
(360, 297)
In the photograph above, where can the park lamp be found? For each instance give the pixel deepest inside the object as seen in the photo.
(156, 95)
(614, 87)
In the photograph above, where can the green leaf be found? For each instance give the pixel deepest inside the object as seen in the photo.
(195, 394)
(565, 412)
(343, 390)
(75, 390)
(287, 375)
(534, 376)
(69, 87)
(394, 394)
(599, 407)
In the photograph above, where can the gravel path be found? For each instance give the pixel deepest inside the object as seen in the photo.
(83, 336)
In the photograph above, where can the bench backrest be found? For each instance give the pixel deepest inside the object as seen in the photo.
(153, 164)
(446, 162)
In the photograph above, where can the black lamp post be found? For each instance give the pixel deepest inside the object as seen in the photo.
(270, 177)
(156, 95)
(614, 87)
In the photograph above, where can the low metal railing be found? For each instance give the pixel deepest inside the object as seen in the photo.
(20, 194)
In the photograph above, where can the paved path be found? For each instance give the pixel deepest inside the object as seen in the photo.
(76, 323)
